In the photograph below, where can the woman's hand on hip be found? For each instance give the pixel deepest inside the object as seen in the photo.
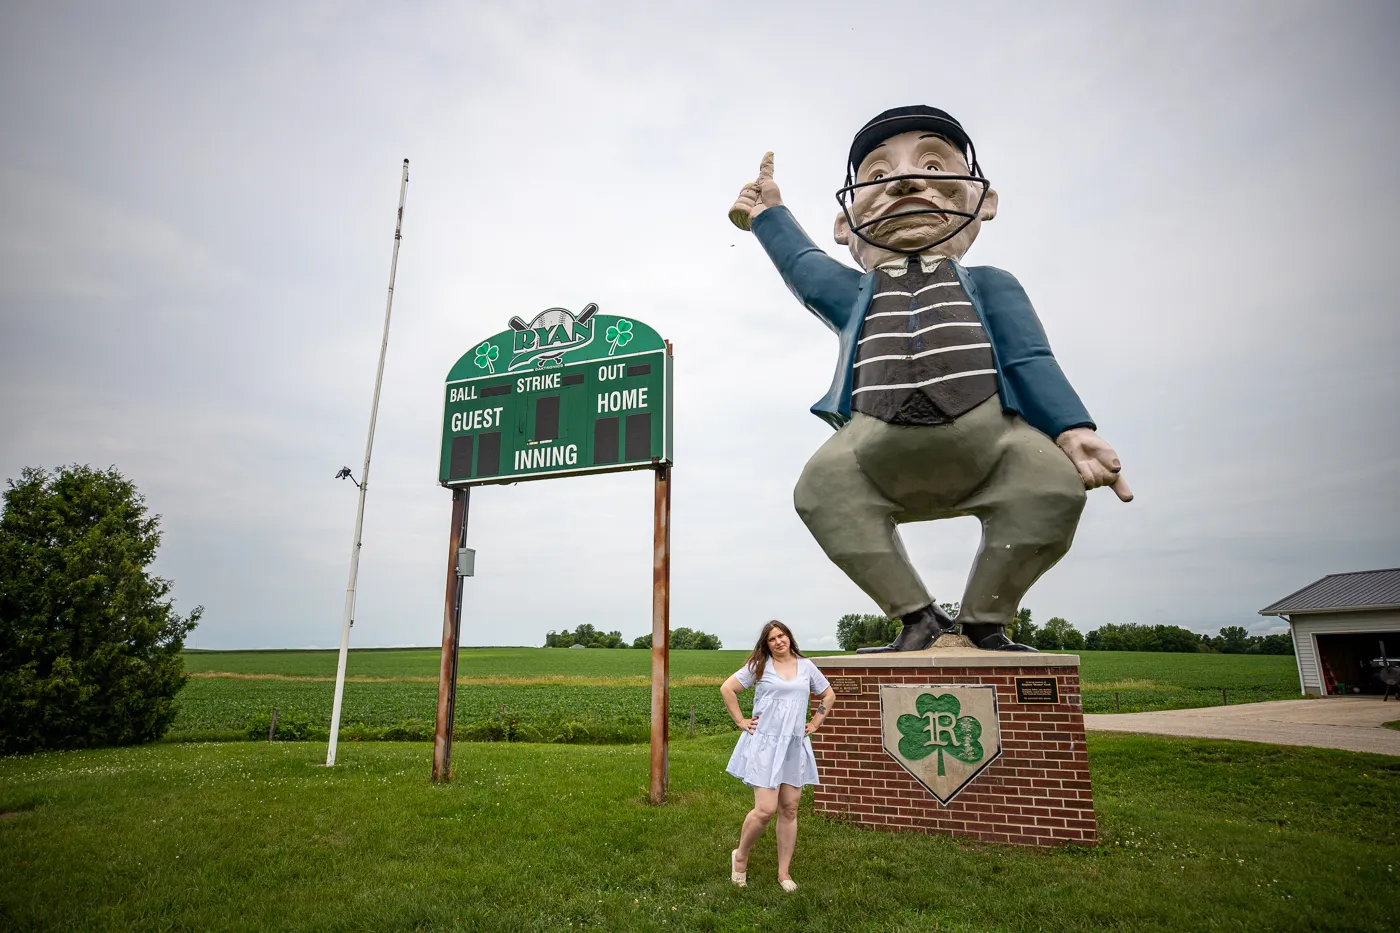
(812, 726)
(749, 725)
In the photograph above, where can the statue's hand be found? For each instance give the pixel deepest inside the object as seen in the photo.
(1096, 462)
(757, 196)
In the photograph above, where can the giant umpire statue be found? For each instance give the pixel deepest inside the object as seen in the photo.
(946, 399)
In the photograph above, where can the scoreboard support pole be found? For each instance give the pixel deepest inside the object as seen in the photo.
(451, 640)
(660, 634)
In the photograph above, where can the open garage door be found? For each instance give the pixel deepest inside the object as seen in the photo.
(1346, 661)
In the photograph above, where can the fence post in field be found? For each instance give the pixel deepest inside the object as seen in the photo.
(1117, 705)
(272, 729)
(1224, 697)
(692, 720)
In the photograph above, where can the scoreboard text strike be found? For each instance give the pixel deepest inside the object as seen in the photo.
(563, 395)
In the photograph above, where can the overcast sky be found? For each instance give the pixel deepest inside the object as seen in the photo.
(196, 218)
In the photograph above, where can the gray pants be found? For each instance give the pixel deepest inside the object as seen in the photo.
(872, 476)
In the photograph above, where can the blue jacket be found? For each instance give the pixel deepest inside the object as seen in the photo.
(1028, 378)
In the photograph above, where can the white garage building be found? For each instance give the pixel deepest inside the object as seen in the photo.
(1338, 624)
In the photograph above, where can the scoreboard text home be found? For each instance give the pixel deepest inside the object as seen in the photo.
(562, 395)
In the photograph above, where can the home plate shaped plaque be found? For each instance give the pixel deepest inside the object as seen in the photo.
(942, 734)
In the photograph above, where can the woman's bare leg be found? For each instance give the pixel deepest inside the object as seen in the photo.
(788, 799)
(765, 804)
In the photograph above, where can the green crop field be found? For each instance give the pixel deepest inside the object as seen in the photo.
(600, 695)
(223, 708)
(1148, 680)
(491, 664)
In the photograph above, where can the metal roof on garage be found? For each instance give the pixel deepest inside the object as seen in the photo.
(1340, 592)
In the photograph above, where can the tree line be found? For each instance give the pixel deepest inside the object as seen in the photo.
(682, 639)
(1233, 639)
(860, 631)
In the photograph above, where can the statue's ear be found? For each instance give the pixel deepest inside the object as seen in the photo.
(989, 206)
(841, 230)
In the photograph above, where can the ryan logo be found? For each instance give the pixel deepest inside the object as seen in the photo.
(554, 332)
(944, 735)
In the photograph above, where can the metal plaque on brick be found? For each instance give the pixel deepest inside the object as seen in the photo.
(845, 685)
(562, 394)
(1037, 690)
(942, 734)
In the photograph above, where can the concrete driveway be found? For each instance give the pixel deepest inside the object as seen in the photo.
(1351, 723)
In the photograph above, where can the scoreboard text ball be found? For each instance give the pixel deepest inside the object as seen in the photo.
(563, 395)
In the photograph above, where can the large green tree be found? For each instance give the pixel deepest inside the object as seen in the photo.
(1134, 636)
(585, 635)
(1058, 635)
(694, 640)
(684, 639)
(89, 640)
(1021, 629)
(855, 630)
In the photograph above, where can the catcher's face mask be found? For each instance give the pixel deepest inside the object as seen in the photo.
(912, 181)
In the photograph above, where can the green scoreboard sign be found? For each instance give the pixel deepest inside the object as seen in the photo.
(562, 395)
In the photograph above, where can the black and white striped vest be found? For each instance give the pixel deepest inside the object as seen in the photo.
(923, 357)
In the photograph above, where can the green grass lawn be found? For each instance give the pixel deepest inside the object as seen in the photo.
(604, 695)
(1196, 835)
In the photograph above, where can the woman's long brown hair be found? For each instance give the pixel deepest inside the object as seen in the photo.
(760, 656)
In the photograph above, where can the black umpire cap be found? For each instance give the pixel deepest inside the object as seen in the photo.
(903, 119)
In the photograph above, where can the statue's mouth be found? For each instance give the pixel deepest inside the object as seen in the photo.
(915, 204)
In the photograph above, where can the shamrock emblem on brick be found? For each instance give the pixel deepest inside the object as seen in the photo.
(619, 335)
(939, 726)
(486, 355)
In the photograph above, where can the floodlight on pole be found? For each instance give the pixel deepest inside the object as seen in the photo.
(349, 617)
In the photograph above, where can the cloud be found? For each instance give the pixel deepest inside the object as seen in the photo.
(61, 242)
(196, 216)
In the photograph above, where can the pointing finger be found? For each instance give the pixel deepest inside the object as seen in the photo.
(765, 168)
(1121, 489)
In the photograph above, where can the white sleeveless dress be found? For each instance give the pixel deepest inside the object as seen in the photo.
(778, 751)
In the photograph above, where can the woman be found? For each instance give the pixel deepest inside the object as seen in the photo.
(774, 757)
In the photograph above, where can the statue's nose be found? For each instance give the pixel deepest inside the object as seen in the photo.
(906, 185)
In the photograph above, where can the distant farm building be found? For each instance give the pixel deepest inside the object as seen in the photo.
(1338, 625)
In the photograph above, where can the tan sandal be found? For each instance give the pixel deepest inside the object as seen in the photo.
(787, 884)
(741, 878)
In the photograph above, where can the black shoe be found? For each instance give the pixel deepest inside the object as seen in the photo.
(992, 638)
(921, 628)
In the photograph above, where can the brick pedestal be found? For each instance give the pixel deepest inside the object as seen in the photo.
(1035, 793)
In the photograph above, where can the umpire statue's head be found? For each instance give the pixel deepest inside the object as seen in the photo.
(913, 185)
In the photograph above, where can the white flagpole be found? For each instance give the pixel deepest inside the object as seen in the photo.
(349, 617)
